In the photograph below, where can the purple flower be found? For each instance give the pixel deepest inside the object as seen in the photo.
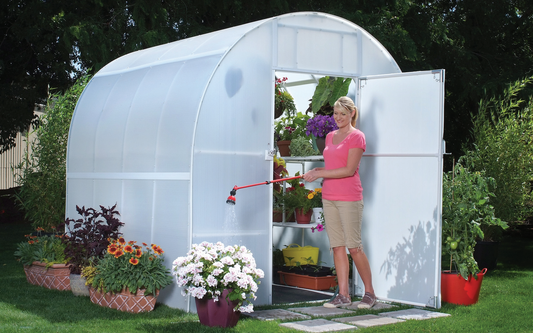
(320, 126)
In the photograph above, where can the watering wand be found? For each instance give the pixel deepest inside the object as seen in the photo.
(231, 198)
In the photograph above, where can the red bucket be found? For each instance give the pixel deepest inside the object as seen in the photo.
(454, 289)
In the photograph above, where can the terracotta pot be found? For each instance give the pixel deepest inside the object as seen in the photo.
(56, 276)
(302, 218)
(125, 300)
(277, 216)
(283, 147)
(456, 290)
(219, 313)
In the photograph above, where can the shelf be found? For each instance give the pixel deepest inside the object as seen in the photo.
(317, 158)
(294, 225)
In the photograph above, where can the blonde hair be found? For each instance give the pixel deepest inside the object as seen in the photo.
(346, 102)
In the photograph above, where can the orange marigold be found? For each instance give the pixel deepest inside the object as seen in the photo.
(134, 261)
(138, 253)
(128, 249)
(121, 241)
(159, 250)
(119, 253)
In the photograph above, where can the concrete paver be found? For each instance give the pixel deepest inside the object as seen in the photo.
(318, 325)
(275, 314)
(368, 320)
(377, 306)
(320, 311)
(417, 314)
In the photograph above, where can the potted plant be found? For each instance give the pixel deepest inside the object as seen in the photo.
(318, 127)
(87, 239)
(296, 199)
(328, 90)
(288, 128)
(315, 197)
(221, 278)
(302, 146)
(44, 260)
(283, 101)
(129, 276)
(466, 206)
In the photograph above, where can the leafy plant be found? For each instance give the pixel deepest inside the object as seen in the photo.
(466, 206)
(87, 238)
(48, 249)
(284, 103)
(290, 127)
(127, 265)
(295, 196)
(42, 177)
(302, 146)
(209, 269)
(503, 134)
(328, 90)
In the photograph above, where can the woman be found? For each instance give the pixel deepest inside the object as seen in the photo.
(342, 198)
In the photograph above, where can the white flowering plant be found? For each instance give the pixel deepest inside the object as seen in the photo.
(209, 269)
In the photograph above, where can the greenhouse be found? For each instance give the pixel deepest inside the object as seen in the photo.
(168, 131)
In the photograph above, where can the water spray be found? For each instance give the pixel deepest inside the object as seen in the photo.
(233, 192)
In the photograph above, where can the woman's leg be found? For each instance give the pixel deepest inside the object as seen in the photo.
(363, 268)
(342, 266)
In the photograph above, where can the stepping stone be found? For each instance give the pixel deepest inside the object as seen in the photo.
(276, 314)
(318, 325)
(377, 306)
(320, 311)
(417, 314)
(368, 320)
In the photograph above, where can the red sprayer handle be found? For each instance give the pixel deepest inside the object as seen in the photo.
(266, 183)
(231, 198)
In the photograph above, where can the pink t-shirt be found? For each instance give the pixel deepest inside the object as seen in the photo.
(336, 156)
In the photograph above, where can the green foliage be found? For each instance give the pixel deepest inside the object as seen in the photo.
(466, 206)
(328, 90)
(47, 249)
(295, 196)
(503, 134)
(130, 266)
(43, 175)
(290, 127)
(302, 146)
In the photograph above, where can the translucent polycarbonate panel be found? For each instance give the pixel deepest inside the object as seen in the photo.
(112, 122)
(401, 227)
(171, 230)
(141, 136)
(232, 136)
(417, 119)
(82, 133)
(401, 174)
(375, 58)
(92, 193)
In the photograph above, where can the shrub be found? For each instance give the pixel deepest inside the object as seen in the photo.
(88, 237)
(42, 177)
(503, 134)
(43, 248)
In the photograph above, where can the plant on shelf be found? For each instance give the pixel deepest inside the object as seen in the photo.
(88, 237)
(465, 208)
(289, 127)
(302, 146)
(320, 125)
(46, 249)
(209, 269)
(284, 103)
(315, 197)
(131, 266)
(295, 196)
(328, 90)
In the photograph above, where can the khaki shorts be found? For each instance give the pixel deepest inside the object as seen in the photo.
(343, 223)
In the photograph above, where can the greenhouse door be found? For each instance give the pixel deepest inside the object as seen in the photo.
(401, 171)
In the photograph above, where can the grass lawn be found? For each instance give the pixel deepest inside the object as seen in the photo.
(505, 303)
